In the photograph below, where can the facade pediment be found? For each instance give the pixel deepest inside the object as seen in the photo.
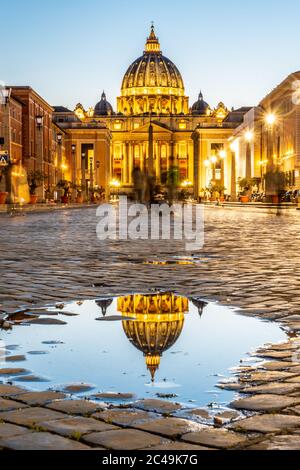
(157, 127)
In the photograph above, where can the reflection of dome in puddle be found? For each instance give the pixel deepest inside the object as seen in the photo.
(104, 304)
(158, 323)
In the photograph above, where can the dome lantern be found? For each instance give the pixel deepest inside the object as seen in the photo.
(152, 44)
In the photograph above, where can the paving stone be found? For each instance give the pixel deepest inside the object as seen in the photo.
(278, 443)
(177, 446)
(114, 396)
(30, 416)
(125, 417)
(46, 321)
(294, 380)
(170, 427)
(218, 438)
(10, 391)
(126, 439)
(201, 413)
(9, 405)
(157, 406)
(40, 398)
(280, 365)
(267, 423)
(265, 403)
(76, 427)
(295, 410)
(9, 371)
(274, 354)
(232, 387)
(30, 378)
(75, 407)
(276, 388)
(268, 376)
(15, 358)
(40, 441)
(9, 430)
(78, 388)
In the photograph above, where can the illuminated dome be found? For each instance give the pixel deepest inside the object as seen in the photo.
(158, 323)
(152, 83)
(103, 108)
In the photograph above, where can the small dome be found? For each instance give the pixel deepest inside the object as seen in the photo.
(103, 108)
(200, 107)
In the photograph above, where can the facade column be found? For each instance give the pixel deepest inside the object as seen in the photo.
(158, 161)
(233, 177)
(196, 138)
(248, 161)
(126, 157)
(131, 158)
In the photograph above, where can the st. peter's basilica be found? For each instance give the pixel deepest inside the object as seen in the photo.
(153, 127)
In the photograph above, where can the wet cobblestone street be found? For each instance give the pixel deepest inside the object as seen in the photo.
(250, 260)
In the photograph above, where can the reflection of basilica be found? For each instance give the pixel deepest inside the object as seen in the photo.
(158, 323)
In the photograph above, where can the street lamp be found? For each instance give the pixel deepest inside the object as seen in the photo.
(249, 136)
(6, 93)
(270, 119)
(39, 121)
(59, 139)
(73, 148)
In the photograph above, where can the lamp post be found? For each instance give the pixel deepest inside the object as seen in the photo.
(91, 178)
(233, 171)
(83, 181)
(39, 120)
(74, 170)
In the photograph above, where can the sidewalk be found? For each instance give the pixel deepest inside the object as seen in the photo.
(29, 208)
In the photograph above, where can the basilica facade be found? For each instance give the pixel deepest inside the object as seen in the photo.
(153, 127)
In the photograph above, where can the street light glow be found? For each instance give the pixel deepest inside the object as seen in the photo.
(249, 136)
(214, 159)
(223, 154)
(271, 119)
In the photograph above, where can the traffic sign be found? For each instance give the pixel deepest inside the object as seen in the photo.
(4, 158)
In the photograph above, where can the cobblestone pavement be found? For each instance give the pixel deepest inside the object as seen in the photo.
(250, 260)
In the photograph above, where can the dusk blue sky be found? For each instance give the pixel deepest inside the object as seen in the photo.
(70, 50)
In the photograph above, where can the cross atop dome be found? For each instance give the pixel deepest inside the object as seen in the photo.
(152, 44)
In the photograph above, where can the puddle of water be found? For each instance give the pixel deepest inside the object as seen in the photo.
(154, 345)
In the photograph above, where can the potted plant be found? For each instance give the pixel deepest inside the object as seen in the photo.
(35, 180)
(79, 197)
(3, 194)
(216, 192)
(275, 181)
(245, 186)
(64, 185)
